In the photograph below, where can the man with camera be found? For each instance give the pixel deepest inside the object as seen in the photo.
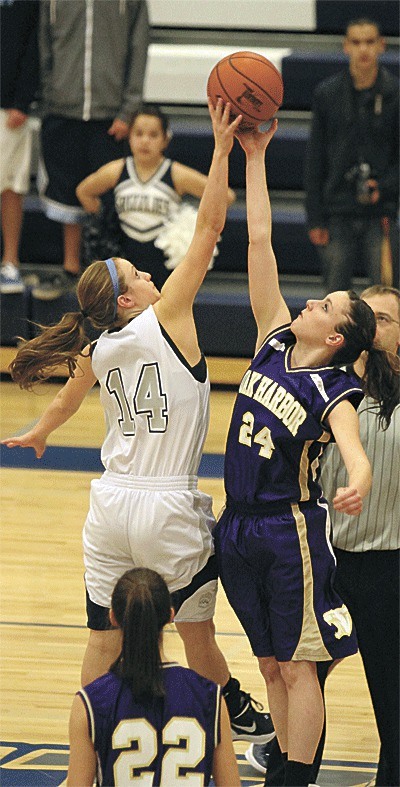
(352, 166)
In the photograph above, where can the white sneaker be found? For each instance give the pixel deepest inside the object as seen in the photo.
(257, 755)
(10, 279)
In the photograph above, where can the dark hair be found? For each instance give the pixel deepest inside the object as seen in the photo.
(61, 344)
(154, 111)
(142, 607)
(364, 20)
(381, 376)
(386, 385)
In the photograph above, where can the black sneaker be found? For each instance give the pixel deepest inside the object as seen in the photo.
(50, 290)
(257, 755)
(249, 724)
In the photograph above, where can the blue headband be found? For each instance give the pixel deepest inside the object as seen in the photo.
(114, 280)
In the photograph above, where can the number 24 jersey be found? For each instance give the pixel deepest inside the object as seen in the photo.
(279, 425)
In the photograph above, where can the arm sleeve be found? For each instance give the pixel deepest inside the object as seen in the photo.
(315, 166)
(136, 62)
(45, 55)
(28, 76)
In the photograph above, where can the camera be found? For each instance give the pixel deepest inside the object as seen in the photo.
(359, 175)
(363, 190)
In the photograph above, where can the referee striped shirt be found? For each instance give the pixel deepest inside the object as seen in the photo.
(378, 525)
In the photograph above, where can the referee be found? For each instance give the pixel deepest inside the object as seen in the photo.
(367, 546)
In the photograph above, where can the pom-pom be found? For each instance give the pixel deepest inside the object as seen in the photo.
(177, 234)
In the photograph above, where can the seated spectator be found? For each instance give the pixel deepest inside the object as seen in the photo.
(147, 192)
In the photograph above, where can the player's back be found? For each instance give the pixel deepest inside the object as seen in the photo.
(157, 736)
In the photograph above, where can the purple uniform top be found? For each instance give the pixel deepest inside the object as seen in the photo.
(170, 737)
(279, 425)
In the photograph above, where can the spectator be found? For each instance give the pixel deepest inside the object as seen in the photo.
(147, 189)
(352, 166)
(93, 58)
(19, 83)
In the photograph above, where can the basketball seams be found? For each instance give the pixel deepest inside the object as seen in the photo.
(249, 79)
(232, 101)
(228, 71)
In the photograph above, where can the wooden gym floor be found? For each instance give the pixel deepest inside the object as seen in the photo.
(42, 612)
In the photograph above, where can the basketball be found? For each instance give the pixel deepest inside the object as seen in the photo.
(252, 85)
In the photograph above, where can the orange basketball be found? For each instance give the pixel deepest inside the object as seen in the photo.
(252, 85)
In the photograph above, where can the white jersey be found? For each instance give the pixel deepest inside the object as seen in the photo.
(156, 412)
(146, 509)
(143, 207)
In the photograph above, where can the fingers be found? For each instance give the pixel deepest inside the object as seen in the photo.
(348, 501)
(19, 442)
(222, 111)
(10, 442)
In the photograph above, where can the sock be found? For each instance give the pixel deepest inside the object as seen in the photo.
(275, 776)
(232, 696)
(297, 774)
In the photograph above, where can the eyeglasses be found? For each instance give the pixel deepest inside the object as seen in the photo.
(385, 319)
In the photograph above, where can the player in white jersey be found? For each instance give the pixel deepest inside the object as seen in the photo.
(147, 191)
(146, 509)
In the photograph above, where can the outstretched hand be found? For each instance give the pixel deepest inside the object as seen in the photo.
(254, 141)
(224, 127)
(28, 440)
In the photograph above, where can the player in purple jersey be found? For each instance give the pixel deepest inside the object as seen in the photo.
(275, 560)
(148, 719)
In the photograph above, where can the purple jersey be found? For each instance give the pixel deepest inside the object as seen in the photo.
(279, 425)
(169, 737)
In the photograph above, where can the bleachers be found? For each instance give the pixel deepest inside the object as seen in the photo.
(188, 38)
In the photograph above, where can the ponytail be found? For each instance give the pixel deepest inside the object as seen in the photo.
(381, 381)
(56, 345)
(61, 344)
(142, 607)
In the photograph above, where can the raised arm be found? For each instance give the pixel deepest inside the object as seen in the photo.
(267, 303)
(343, 421)
(64, 406)
(91, 188)
(181, 287)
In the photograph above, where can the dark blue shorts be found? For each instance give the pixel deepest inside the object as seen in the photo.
(277, 572)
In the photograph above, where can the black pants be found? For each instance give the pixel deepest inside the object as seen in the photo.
(368, 583)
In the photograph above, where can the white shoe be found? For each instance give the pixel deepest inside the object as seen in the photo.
(10, 279)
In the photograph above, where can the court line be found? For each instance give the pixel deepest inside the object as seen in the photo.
(27, 624)
(87, 460)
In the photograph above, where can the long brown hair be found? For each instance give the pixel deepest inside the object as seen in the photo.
(142, 607)
(63, 343)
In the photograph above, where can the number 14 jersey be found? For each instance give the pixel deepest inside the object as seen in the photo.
(156, 406)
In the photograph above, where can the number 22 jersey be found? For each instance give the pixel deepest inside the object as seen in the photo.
(279, 425)
(163, 741)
